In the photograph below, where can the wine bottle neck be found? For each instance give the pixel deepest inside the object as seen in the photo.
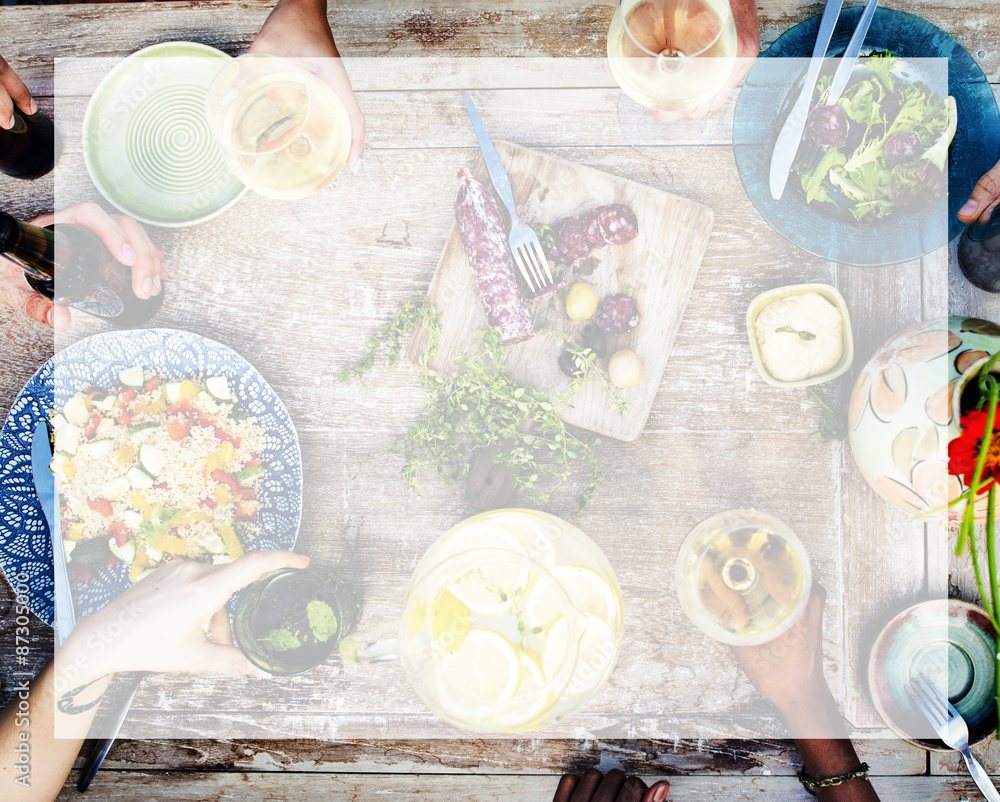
(28, 246)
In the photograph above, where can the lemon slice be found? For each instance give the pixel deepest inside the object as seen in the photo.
(588, 592)
(531, 673)
(594, 660)
(484, 667)
(542, 607)
(489, 588)
(451, 622)
(532, 531)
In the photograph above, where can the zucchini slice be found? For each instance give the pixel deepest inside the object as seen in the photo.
(218, 386)
(248, 473)
(115, 488)
(75, 410)
(132, 519)
(172, 391)
(104, 401)
(125, 553)
(58, 421)
(131, 377)
(98, 448)
(68, 546)
(132, 431)
(67, 439)
(151, 459)
(139, 479)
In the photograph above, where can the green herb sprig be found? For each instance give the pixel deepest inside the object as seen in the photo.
(832, 426)
(481, 405)
(803, 335)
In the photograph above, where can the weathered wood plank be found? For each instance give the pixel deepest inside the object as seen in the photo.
(197, 786)
(509, 756)
(477, 28)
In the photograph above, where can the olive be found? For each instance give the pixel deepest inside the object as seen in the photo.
(594, 338)
(567, 364)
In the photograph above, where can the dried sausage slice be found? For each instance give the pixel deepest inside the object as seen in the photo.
(572, 238)
(618, 223)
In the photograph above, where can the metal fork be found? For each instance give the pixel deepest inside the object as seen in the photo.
(951, 728)
(524, 245)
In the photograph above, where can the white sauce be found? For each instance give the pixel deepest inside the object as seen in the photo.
(794, 355)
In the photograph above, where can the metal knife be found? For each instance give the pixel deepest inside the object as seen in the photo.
(100, 748)
(45, 487)
(787, 143)
(850, 57)
(498, 175)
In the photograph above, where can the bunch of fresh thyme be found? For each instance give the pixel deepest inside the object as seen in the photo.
(481, 405)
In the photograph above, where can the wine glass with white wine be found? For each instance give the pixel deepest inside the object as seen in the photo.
(287, 135)
(670, 57)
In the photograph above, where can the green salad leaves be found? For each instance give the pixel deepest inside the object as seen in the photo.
(895, 157)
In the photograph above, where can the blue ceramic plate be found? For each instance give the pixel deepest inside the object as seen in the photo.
(24, 537)
(951, 643)
(763, 105)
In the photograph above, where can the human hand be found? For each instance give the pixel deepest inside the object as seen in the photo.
(162, 623)
(788, 671)
(299, 29)
(982, 203)
(747, 48)
(594, 786)
(126, 239)
(13, 90)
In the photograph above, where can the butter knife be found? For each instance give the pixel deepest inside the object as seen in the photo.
(45, 487)
(850, 57)
(787, 143)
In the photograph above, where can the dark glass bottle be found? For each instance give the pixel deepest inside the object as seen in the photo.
(979, 253)
(31, 148)
(71, 265)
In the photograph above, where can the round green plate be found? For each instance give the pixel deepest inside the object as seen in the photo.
(146, 139)
(951, 643)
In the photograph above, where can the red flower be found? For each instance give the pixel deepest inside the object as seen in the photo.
(963, 451)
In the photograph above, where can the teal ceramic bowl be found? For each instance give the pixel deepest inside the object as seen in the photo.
(146, 140)
(950, 642)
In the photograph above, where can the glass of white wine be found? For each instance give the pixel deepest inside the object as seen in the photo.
(288, 136)
(670, 57)
(743, 577)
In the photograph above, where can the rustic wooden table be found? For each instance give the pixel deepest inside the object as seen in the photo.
(220, 271)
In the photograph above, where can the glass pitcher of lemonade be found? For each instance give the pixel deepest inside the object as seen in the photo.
(512, 621)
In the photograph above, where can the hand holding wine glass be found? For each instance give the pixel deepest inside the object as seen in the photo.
(299, 29)
(13, 91)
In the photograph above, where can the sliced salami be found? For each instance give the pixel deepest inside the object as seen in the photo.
(592, 228)
(618, 223)
(485, 239)
(571, 237)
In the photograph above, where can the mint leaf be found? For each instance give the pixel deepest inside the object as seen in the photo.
(322, 620)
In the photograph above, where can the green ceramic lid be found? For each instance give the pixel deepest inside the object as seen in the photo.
(146, 140)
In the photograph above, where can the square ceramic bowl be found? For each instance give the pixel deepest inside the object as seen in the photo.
(758, 304)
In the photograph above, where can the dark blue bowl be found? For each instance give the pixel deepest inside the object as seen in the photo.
(767, 95)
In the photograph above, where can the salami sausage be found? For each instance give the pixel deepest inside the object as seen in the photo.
(485, 239)
(591, 225)
(617, 223)
(571, 236)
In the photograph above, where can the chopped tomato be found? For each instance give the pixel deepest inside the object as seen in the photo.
(200, 418)
(100, 505)
(90, 426)
(247, 493)
(124, 417)
(117, 530)
(225, 437)
(126, 395)
(178, 429)
(162, 485)
(246, 510)
(83, 572)
(227, 479)
(209, 502)
(182, 404)
(152, 384)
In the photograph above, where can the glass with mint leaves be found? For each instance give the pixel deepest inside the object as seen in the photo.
(288, 621)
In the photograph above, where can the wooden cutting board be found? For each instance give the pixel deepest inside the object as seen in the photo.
(658, 267)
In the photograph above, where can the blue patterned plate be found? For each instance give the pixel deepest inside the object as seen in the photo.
(175, 355)
(764, 102)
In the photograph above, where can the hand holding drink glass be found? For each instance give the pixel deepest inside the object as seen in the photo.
(287, 135)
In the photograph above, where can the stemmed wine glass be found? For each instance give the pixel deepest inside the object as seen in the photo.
(670, 57)
(287, 135)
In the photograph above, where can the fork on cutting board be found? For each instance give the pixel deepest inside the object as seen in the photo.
(950, 727)
(524, 245)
